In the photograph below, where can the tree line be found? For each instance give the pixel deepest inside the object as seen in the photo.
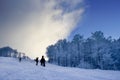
(94, 52)
(9, 52)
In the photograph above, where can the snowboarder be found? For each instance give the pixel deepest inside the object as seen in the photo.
(42, 61)
(37, 60)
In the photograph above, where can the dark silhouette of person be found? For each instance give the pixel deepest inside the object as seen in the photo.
(20, 59)
(37, 60)
(42, 61)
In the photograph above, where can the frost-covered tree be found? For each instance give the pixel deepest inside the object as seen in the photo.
(93, 52)
(8, 52)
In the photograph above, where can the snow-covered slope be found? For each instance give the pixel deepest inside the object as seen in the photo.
(11, 69)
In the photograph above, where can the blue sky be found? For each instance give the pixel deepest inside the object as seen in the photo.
(103, 15)
(30, 26)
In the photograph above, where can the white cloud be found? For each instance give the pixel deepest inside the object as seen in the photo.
(41, 25)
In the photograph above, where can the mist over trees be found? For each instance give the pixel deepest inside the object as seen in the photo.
(95, 52)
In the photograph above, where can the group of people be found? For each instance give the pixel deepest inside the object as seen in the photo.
(42, 61)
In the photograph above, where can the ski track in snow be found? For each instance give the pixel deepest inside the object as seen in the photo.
(11, 69)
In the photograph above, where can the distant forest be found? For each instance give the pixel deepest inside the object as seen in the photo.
(95, 52)
(9, 52)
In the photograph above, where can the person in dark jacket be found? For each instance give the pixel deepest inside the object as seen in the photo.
(37, 60)
(20, 59)
(42, 61)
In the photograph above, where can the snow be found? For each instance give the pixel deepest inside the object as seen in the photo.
(11, 69)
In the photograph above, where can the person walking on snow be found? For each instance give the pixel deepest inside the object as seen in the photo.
(42, 61)
(20, 59)
(37, 60)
